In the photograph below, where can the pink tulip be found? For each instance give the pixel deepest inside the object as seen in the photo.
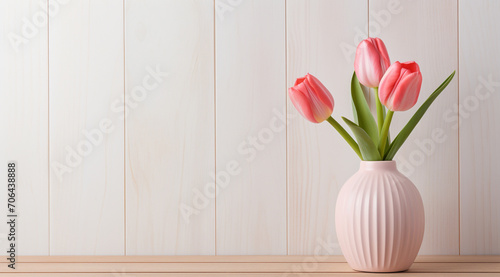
(400, 86)
(371, 62)
(311, 98)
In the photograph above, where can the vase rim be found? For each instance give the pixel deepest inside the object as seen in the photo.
(379, 165)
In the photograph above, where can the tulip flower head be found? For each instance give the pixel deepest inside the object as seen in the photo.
(396, 86)
(400, 86)
(371, 62)
(311, 98)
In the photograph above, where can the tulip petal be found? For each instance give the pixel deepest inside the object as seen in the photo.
(312, 99)
(371, 61)
(299, 80)
(321, 110)
(388, 84)
(319, 90)
(385, 62)
(301, 103)
(366, 64)
(412, 66)
(407, 91)
(400, 86)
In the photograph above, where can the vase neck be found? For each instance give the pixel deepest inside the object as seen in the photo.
(378, 165)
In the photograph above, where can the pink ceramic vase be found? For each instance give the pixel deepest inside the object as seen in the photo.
(379, 219)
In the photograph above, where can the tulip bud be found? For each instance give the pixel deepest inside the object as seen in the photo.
(400, 86)
(371, 62)
(311, 98)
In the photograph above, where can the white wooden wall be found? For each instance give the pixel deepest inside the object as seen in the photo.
(479, 127)
(145, 104)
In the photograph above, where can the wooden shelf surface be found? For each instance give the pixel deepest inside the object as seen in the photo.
(244, 266)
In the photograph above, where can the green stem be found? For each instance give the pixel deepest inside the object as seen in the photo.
(380, 112)
(385, 131)
(345, 135)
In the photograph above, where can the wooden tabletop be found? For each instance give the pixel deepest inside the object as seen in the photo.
(247, 266)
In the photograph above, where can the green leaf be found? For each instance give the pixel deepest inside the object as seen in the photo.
(406, 131)
(388, 142)
(364, 116)
(368, 149)
(354, 113)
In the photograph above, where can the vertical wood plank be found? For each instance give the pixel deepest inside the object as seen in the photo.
(170, 145)
(86, 134)
(426, 32)
(24, 122)
(251, 137)
(479, 127)
(320, 34)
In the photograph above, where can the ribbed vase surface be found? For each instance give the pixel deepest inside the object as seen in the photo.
(379, 219)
